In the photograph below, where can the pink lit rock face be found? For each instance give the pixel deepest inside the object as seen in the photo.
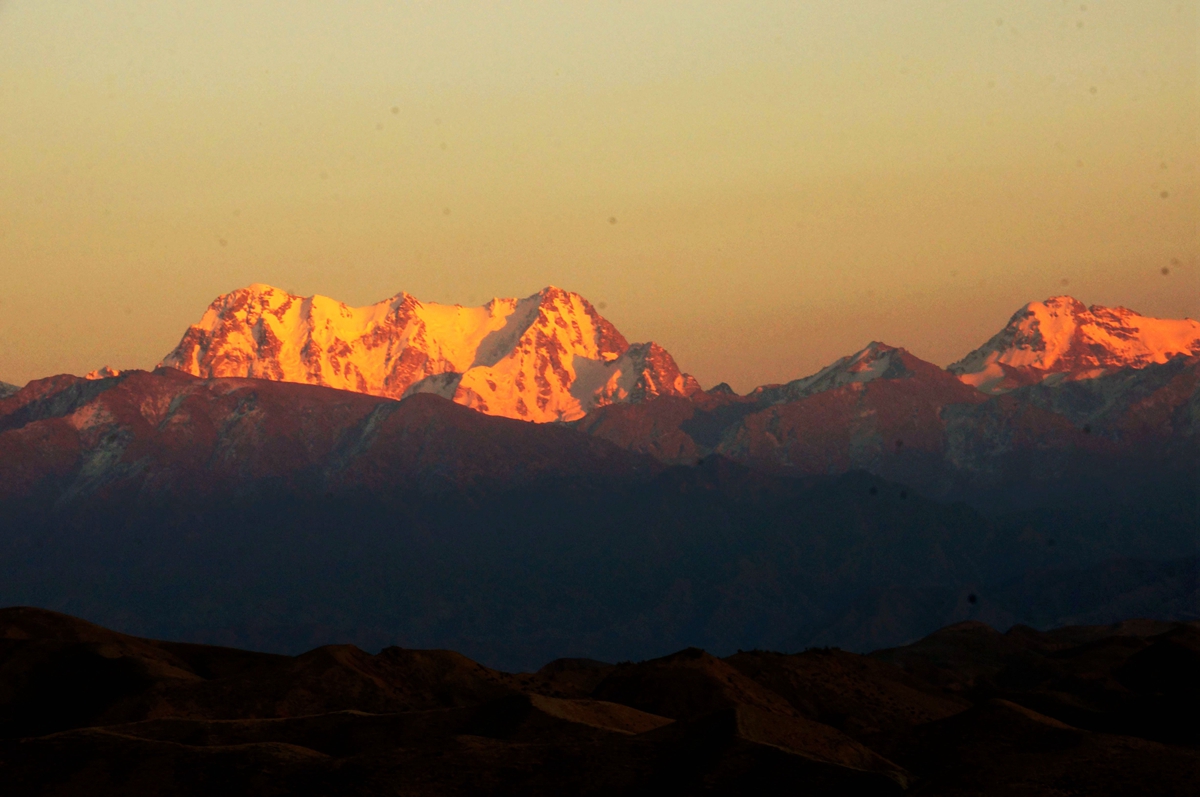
(547, 357)
(1061, 339)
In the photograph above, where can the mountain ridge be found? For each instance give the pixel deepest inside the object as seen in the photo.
(552, 357)
(548, 357)
(1062, 339)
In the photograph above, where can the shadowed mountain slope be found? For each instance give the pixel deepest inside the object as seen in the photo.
(1115, 450)
(282, 516)
(166, 433)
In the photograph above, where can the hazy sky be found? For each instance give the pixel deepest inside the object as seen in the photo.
(789, 180)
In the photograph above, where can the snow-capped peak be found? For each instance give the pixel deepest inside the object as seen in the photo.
(549, 356)
(1061, 338)
(876, 361)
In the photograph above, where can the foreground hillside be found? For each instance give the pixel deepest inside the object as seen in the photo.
(1079, 710)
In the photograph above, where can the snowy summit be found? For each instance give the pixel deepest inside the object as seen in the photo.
(1062, 339)
(547, 357)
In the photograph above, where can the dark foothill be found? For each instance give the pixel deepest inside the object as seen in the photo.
(1106, 709)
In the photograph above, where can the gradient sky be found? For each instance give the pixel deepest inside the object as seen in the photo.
(789, 180)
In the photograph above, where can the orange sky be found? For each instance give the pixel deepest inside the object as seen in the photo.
(789, 180)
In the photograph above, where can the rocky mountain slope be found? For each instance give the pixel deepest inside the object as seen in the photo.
(546, 357)
(7, 390)
(169, 434)
(1103, 710)
(853, 413)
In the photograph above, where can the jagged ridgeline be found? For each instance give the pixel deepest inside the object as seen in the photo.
(553, 357)
(547, 357)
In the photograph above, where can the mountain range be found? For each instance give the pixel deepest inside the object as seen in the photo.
(300, 472)
(548, 357)
(552, 357)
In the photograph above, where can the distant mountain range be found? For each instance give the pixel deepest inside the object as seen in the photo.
(242, 493)
(552, 357)
(1060, 382)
